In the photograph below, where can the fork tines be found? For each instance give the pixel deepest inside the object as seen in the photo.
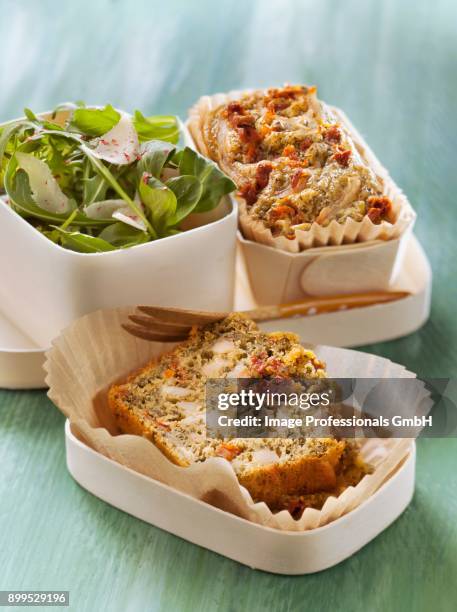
(162, 324)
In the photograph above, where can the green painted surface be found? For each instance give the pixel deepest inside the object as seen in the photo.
(392, 66)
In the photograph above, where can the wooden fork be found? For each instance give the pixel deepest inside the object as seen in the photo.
(162, 324)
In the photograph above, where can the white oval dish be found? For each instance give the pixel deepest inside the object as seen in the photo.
(21, 360)
(271, 550)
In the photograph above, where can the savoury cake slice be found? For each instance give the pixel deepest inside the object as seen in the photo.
(293, 160)
(165, 402)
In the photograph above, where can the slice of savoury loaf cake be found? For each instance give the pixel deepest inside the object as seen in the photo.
(165, 402)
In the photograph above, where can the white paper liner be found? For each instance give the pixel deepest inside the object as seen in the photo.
(317, 235)
(94, 351)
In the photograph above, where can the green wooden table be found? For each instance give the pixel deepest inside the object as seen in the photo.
(392, 67)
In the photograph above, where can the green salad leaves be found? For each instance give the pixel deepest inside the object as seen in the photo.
(98, 179)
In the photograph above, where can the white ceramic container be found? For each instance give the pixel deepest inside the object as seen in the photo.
(21, 360)
(271, 550)
(44, 287)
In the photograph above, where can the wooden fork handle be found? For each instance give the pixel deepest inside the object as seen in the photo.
(321, 305)
(173, 324)
(178, 316)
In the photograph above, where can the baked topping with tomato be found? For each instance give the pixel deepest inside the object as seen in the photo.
(283, 216)
(294, 160)
(163, 425)
(289, 91)
(244, 123)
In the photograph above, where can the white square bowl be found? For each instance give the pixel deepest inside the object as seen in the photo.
(44, 287)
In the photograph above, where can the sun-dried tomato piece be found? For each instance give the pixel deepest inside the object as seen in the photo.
(319, 365)
(289, 211)
(228, 451)
(296, 179)
(279, 105)
(248, 133)
(234, 108)
(379, 208)
(289, 151)
(262, 174)
(283, 211)
(278, 99)
(250, 137)
(289, 91)
(242, 121)
(245, 124)
(251, 153)
(258, 362)
(274, 366)
(333, 134)
(299, 180)
(248, 191)
(306, 143)
(343, 157)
